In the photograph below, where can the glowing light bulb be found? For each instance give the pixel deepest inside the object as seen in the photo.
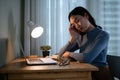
(37, 32)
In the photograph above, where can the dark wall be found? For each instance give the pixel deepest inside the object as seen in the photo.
(3, 51)
(11, 30)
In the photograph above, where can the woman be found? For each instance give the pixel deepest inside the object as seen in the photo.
(91, 41)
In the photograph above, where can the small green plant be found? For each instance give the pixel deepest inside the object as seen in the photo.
(45, 47)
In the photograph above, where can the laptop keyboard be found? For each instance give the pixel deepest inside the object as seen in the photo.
(34, 60)
(40, 61)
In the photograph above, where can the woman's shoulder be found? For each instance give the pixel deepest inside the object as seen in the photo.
(103, 32)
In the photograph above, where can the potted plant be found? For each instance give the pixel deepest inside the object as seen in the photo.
(45, 50)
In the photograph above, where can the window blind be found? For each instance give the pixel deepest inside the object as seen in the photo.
(110, 14)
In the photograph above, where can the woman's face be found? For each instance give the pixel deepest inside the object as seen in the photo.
(79, 22)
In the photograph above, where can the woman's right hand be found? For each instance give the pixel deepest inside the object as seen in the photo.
(73, 33)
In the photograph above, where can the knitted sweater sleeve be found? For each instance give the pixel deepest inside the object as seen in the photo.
(99, 44)
(68, 47)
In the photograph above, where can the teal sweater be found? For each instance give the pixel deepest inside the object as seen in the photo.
(93, 50)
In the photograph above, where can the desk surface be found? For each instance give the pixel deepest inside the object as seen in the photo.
(19, 66)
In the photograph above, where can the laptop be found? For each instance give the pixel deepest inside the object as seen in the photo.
(38, 60)
(42, 61)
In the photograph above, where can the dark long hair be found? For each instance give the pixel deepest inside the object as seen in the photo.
(81, 11)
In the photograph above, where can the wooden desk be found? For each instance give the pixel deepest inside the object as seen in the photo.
(19, 70)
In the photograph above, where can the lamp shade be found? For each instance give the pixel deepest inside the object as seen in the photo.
(37, 32)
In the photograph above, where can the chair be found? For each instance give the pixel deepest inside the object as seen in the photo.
(114, 65)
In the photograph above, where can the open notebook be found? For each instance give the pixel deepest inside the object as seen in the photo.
(33, 61)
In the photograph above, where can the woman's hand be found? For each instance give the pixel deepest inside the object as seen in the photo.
(73, 33)
(66, 54)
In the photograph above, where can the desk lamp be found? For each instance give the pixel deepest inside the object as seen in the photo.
(35, 31)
